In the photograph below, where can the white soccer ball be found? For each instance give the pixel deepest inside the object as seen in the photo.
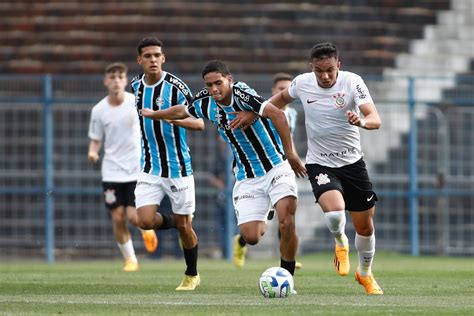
(276, 282)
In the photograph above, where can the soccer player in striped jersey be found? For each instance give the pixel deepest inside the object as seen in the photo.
(263, 155)
(336, 104)
(166, 161)
(114, 124)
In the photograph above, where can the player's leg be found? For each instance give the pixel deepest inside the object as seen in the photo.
(286, 209)
(327, 190)
(280, 184)
(149, 236)
(182, 197)
(114, 201)
(148, 195)
(360, 201)
(251, 210)
(123, 238)
(365, 245)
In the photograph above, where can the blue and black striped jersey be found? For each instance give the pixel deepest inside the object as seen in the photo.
(257, 149)
(165, 150)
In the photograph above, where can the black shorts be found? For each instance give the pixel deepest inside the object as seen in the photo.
(351, 180)
(119, 194)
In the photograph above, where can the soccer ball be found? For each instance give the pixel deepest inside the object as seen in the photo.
(275, 282)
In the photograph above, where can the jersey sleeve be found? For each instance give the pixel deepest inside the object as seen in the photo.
(96, 128)
(185, 96)
(292, 90)
(194, 108)
(249, 98)
(360, 92)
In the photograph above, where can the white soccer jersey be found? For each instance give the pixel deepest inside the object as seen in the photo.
(117, 127)
(332, 141)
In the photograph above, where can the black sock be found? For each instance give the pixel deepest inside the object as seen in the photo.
(168, 222)
(190, 256)
(288, 265)
(242, 241)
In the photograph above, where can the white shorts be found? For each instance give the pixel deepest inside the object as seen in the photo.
(252, 196)
(150, 190)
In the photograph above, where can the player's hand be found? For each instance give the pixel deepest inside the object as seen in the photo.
(146, 113)
(242, 120)
(296, 165)
(354, 119)
(93, 157)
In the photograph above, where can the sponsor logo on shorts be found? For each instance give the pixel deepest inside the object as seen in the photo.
(278, 177)
(244, 197)
(370, 198)
(176, 189)
(143, 183)
(188, 204)
(322, 179)
(110, 197)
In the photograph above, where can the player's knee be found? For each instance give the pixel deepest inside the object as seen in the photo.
(252, 240)
(286, 224)
(145, 222)
(365, 230)
(184, 228)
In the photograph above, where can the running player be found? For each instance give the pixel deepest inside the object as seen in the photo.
(166, 161)
(114, 123)
(262, 169)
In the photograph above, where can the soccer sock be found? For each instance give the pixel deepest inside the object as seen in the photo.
(242, 241)
(127, 250)
(168, 222)
(190, 256)
(365, 246)
(336, 222)
(288, 265)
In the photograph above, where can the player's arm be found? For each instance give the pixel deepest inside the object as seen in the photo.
(172, 113)
(244, 119)
(281, 99)
(189, 123)
(280, 122)
(93, 153)
(371, 119)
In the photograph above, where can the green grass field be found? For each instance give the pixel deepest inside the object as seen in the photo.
(424, 285)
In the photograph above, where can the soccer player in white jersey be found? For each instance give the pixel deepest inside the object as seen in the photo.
(263, 155)
(166, 160)
(337, 103)
(114, 123)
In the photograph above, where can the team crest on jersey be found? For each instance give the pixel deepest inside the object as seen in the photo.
(339, 101)
(322, 179)
(109, 195)
(159, 101)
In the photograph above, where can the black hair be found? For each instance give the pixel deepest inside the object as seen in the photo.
(216, 66)
(324, 50)
(148, 41)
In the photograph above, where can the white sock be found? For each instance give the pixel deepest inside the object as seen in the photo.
(127, 251)
(336, 222)
(365, 246)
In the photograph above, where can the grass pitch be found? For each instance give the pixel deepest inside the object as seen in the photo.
(424, 285)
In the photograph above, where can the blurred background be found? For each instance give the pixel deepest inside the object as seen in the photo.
(416, 56)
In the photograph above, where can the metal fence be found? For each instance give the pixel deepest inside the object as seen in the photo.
(51, 202)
